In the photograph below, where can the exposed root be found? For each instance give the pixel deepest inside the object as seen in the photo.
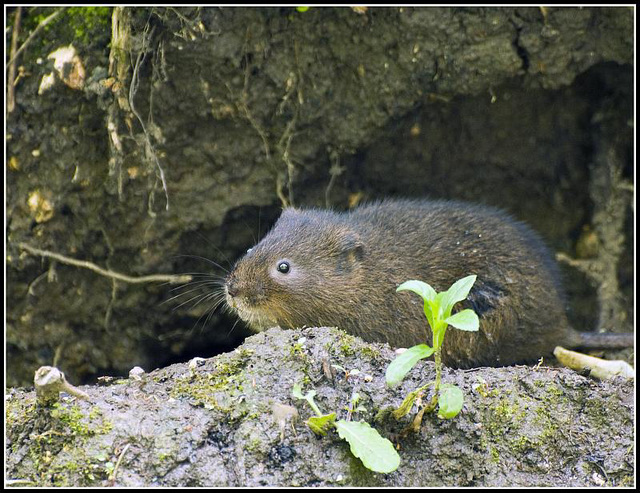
(11, 73)
(120, 70)
(172, 279)
(283, 144)
(133, 89)
(334, 171)
(610, 207)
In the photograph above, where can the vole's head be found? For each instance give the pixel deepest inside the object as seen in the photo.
(298, 273)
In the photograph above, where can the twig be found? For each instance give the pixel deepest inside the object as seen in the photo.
(172, 279)
(11, 99)
(335, 171)
(49, 382)
(280, 193)
(588, 267)
(242, 105)
(133, 89)
(287, 136)
(112, 478)
(35, 32)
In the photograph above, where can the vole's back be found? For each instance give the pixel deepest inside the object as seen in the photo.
(517, 294)
(343, 269)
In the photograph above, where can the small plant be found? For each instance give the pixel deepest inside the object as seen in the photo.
(375, 452)
(437, 309)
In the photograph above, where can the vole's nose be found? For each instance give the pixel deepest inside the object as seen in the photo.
(232, 287)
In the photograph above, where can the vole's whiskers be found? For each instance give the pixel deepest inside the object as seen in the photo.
(203, 289)
(208, 280)
(234, 326)
(200, 298)
(216, 303)
(218, 298)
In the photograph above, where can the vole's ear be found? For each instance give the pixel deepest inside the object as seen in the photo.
(354, 247)
(352, 251)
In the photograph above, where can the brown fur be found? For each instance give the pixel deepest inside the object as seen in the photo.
(345, 267)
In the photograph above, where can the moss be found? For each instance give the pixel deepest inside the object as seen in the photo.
(346, 349)
(547, 427)
(297, 351)
(502, 416)
(89, 470)
(346, 344)
(81, 21)
(86, 20)
(553, 391)
(216, 389)
(627, 481)
(598, 411)
(18, 412)
(56, 444)
(493, 393)
(495, 455)
(370, 352)
(383, 414)
(163, 456)
(523, 444)
(508, 429)
(79, 25)
(525, 426)
(74, 418)
(245, 353)
(254, 445)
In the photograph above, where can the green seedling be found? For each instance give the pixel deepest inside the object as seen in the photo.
(437, 310)
(375, 452)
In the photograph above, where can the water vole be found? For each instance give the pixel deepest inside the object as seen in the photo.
(323, 268)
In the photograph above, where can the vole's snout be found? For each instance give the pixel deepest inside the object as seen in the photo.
(241, 290)
(232, 287)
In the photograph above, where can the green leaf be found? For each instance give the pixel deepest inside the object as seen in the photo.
(406, 405)
(408, 402)
(449, 401)
(297, 391)
(440, 304)
(427, 293)
(400, 366)
(375, 452)
(420, 288)
(321, 424)
(464, 320)
(428, 312)
(458, 291)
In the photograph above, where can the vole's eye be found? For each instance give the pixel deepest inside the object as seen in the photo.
(284, 267)
(249, 250)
